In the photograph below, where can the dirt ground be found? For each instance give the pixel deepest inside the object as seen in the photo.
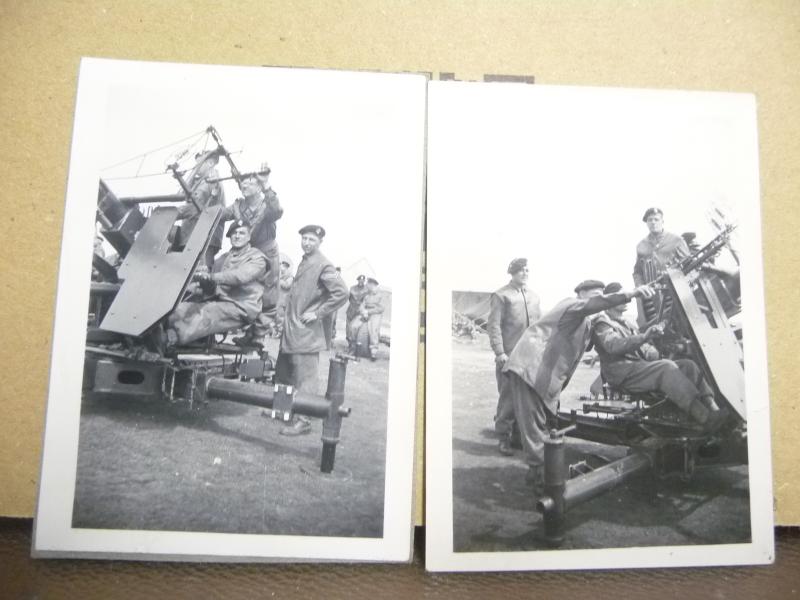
(494, 509)
(225, 468)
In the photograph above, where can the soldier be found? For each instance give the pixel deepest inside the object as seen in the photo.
(630, 363)
(653, 254)
(543, 361)
(204, 194)
(371, 313)
(357, 293)
(226, 298)
(260, 207)
(316, 293)
(513, 308)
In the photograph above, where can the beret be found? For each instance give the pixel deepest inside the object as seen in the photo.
(315, 229)
(613, 288)
(235, 225)
(652, 211)
(517, 264)
(372, 280)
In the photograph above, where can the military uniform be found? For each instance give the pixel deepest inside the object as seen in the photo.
(262, 216)
(512, 311)
(317, 288)
(205, 195)
(232, 298)
(372, 306)
(357, 293)
(632, 365)
(542, 363)
(654, 253)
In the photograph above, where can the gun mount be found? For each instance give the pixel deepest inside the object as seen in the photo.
(694, 308)
(131, 296)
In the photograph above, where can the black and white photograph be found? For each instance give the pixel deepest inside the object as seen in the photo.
(596, 380)
(234, 363)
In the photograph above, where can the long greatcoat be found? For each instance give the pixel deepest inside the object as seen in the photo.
(317, 288)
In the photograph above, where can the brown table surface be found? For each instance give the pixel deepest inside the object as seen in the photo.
(23, 577)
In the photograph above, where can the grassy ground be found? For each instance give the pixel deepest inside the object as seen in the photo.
(494, 509)
(225, 468)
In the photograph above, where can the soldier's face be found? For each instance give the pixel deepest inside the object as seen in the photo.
(520, 277)
(240, 237)
(655, 223)
(309, 243)
(249, 187)
(372, 286)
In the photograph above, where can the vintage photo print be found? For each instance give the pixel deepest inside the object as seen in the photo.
(596, 355)
(235, 345)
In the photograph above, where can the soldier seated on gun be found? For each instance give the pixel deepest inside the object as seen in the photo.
(630, 363)
(227, 298)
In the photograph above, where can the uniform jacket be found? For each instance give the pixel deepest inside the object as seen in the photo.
(317, 288)
(357, 294)
(261, 216)
(658, 251)
(619, 346)
(239, 278)
(551, 348)
(372, 303)
(511, 313)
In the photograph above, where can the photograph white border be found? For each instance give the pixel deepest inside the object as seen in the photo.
(444, 268)
(53, 534)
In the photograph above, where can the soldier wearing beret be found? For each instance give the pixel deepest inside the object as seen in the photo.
(512, 310)
(630, 363)
(658, 249)
(654, 253)
(543, 362)
(316, 293)
(227, 297)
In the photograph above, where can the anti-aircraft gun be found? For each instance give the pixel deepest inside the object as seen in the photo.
(132, 295)
(694, 307)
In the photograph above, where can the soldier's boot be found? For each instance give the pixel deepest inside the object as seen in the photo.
(711, 420)
(249, 339)
(708, 402)
(504, 446)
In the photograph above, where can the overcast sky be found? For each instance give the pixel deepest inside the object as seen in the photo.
(345, 149)
(563, 175)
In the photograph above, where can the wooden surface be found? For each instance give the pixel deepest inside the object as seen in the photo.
(23, 577)
(744, 45)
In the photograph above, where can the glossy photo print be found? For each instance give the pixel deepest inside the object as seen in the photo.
(595, 335)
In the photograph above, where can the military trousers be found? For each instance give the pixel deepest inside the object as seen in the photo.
(194, 320)
(533, 417)
(680, 380)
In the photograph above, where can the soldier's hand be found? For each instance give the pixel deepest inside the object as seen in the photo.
(644, 291)
(501, 359)
(656, 330)
(308, 317)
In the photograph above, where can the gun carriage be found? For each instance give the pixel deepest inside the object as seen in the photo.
(131, 296)
(693, 305)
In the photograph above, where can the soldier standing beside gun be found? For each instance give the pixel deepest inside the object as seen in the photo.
(653, 254)
(317, 291)
(513, 308)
